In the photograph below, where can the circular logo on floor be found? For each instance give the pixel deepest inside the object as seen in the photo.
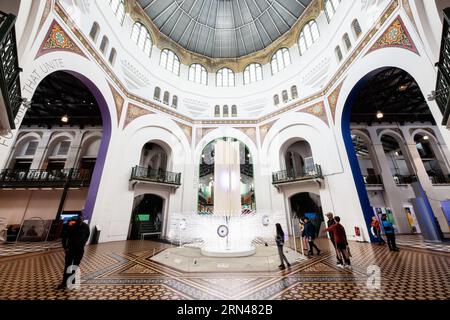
(222, 231)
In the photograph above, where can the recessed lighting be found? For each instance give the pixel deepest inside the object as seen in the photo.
(403, 88)
(426, 137)
(65, 118)
(380, 115)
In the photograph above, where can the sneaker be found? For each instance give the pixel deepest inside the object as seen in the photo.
(318, 252)
(340, 265)
(282, 267)
(289, 265)
(61, 286)
(349, 267)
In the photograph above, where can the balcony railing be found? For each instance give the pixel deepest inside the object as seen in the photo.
(403, 180)
(439, 179)
(9, 68)
(287, 176)
(72, 178)
(373, 179)
(156, 176)
(443, 77)
(246, 169)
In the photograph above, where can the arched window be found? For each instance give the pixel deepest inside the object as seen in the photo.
(338, 53)
(118, 7)
(157, 94)
(170, 61)
(141, 37)
(104, 44)
(331, 7)
(225, 78)
(234, 111)
(253, 73)
(166, 97)
(276, 100)
(294, 92)
(112, 56)
(309, 35)
(347, 42)
(94, 32)
(356, 27)
(217, 111)
(225, 111)
(285, 96)
(280, 60)
(175, 102)
(198, 74)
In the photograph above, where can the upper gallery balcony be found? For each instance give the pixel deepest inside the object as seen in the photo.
(152, 176)
(10, 93)
(70, 178)
(285, 177)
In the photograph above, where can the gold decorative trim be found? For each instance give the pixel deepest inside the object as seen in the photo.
(135, 112)
(119, 101)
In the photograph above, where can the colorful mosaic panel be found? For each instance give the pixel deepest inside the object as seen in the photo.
(135, 112)
(264, 130)
(187, 131)
(58, 40)
(119, 101)
(395, 36)
(333, 99)
(317, 110)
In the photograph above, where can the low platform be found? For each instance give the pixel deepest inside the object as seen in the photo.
(190, 259)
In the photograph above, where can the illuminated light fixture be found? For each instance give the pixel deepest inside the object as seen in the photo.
(426, 137)
(380, 115)
(65, 118)
(403, 88)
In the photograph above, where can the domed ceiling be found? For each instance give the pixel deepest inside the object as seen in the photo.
(224, 28)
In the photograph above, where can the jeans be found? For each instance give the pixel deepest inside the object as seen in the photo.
(338, 255)
(391, 241)
(379, 237)
(282, 256)
(73, 257)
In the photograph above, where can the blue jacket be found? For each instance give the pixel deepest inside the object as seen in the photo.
(310, 231)
(388, 227)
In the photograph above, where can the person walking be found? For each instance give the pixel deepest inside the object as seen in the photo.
(331, 222)
(279, 239)
(389, 231)
(310, 234)
(376, 230)
(74, 238)
(340, 239)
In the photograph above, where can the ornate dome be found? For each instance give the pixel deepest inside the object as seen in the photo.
(224, 28)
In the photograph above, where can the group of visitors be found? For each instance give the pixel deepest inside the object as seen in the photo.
(338, 237)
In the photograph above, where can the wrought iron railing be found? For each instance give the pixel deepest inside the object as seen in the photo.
(373, 179)
(285, 176)
(443, 77)
(400, 179)
(439, 179)
(158, 176)
(246, 169)
(13, 178)
(9, 67)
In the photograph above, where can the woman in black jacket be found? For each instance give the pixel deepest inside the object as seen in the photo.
(280, 242)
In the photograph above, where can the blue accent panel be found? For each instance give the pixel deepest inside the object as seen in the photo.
(354, 164)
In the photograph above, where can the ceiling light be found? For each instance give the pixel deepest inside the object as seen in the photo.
(380, 115)
(403, 88)
(65, 118)
(426, 137)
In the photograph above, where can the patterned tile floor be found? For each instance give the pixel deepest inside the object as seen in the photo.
(124, 271)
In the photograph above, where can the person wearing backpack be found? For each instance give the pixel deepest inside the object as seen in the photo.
(389, 231)
(310, 234)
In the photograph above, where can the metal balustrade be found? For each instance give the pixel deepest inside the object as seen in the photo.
(373, 179)
(443, 78)
(72, 178)
(439, 179)
(403, 180)
(156, 176)
(246, 169)
(286, 176)
(9, 67)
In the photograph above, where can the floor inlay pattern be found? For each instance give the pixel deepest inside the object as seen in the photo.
(123, 271)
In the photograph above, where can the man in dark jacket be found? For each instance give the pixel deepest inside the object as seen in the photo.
(75, 235)
(330, 223)
(310, 234)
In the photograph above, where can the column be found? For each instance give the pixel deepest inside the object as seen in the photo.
(40, 154)
(74, 151)
(392, 191)
(424, 179)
